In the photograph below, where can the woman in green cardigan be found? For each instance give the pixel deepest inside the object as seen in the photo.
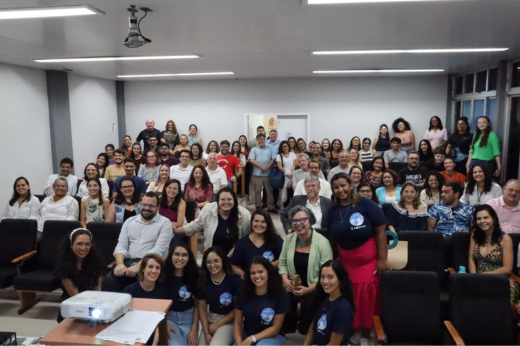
(485, 149)
(303, 253)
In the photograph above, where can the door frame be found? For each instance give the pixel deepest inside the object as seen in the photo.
(300, 115)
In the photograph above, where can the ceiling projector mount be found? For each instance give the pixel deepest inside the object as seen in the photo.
(135, 38)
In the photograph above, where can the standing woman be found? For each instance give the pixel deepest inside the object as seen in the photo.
(211, 148)
(193, 138)
(183, 145)
(382, 142)
(127, 145)
(337, 147)
(355, 143)
(389, 192)
(485, 149)
(22, 205)
(137, 155)
(286, 161)
(102, 163)
(431, 192)
(196, 158)
(425, 151)
(199, 188)
(403, 130)
(301, 148)
(357, 229)
(173, 207)
(480, 187)
(374, 177)
(79, 265)
(334, 307)
(109, 150)
(92, 171)
(408, 214)
(436, 133)
(236, 150)
(366, 153)
(261, 306)
(325, 147)
(217, 289)
(150, 171)
(171, 136)
(292, 144)
(126, 204)
(158, 185)
(182, 274)
(95, 206)
(244, 146)
(354, 158)
(459, 144)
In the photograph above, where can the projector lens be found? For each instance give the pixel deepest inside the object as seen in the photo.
(95, 312)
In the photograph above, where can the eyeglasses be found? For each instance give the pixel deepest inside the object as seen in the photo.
(214, 262)
(127, 187)
(177, 254)
(184, 157)
(148, 206)
(365, 191)
(302, 220)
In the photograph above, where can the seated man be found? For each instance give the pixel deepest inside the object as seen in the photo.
(140, 235)
(303, 172)
(165, 157)
(66, 166)
(318, 204)
(113, 172)
(450, 215)
(437, 163)
(395, 154)
(182, 171)
(343, 166)
(316, 155)
(314, 171)
(414, 173)
(152, 145)
(129, 166)
(508, 207)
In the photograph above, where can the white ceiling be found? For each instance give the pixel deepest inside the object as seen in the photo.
(264, 38)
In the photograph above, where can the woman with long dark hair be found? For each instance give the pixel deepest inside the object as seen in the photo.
(261, 306)
(366, 153)
(95, 207)
(292, 144)
(127, 145)
(244, 146)
(436, 133)
(336, 148)
(171, 135)
(403, 131)
(137, 155)
(127, 202)
(262, 241)
(79, 265)
(425, 151)
(334, 307)
(193, 135)
(181, 276)
(196, 158)
(480, 187)
(212, 147)
(23, 204)
(355, 143)
(109, 150)
(286, 161)
(325, 147)
(390, 191)
(485, 148)
(431, 192)
(382, 141)
(236, 150)
(173, 206)
(199, 188)
(459, 143)
(102, 163)
(374, 177)
(217, 288)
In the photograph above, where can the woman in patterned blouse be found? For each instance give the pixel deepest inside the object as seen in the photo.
(150, 171)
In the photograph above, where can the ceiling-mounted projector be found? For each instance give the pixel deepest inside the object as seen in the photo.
(96, 306)
(135, 38)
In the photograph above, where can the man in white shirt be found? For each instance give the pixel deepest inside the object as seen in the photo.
(217, 175)
(343, 166)
(314, 170)
(66, 166)
(182, 171)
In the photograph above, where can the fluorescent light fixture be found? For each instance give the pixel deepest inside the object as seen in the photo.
(120, 58)
(328, 2)
(47, 12)
(409, 51)
(175, 74)
(379, 71)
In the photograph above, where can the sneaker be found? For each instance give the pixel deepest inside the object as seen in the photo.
(273, 211)
(366, 342)
(277, 207)
(356, 337)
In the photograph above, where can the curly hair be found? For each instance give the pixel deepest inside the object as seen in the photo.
(205, 182)
(477, 233)
(200, 151)
(191, 270)
(488, 180)
(440, 179)
(205, 275)
(274, 283)
(400, 120)
(217, 148)
(270, 235)
(174, 126)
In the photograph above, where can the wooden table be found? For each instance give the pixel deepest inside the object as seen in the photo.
(73, 331)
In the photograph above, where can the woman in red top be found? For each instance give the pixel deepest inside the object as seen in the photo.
(199, 188)
(450, 175)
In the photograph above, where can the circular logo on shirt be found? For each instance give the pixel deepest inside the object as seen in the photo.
(268, 255)
(322, 323)
(356, 219)
(392, 239)
(184, 293)
(267, 315)
(226, 298)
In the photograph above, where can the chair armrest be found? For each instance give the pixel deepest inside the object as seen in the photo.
(453, 333)
(381, 337)
(113, 263)
(452, 271)
(24, 257)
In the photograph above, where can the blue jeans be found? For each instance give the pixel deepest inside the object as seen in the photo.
(230, 184)
(181, 322)
(489, 165)
(277, 340)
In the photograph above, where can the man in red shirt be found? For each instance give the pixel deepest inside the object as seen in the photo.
(229, 163)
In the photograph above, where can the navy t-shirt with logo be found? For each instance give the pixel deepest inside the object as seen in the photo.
(352, 226)
(332, 317)
(178, 292)
(245, 251)
(220, 298)
(260, 311)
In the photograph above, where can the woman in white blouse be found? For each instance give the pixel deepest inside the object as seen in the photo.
(58, 207)
(286, 161)
(480, 187)
(23, 205)
(92, 171)
(436, 133)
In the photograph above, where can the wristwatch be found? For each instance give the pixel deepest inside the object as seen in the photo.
(254, 339)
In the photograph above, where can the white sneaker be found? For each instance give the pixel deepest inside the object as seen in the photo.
(366, 342)
(356, 337)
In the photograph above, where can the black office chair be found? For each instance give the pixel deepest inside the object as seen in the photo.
(110, 187)
(480, 310)
(17, 237)
(367, 165)
(78, 199)
(36, 268)
(105, 236)
(425, 251)
(397, 166)
(191, 207)
(515, 237)
(459, 244)
(40, 197)
(410, 309)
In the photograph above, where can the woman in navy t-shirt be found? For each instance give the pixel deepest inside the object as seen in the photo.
(260, 306)
(334, 307)
(262, 241)
(150, 271)
(217, 289)
(182, 275)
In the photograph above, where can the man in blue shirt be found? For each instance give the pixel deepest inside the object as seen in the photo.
(262, 158)
(450, 215)
(273, 142)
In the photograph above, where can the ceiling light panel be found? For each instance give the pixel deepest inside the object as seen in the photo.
(329, 2)
(176, 74)
(380, 71)
(48, 12)
(410, 51)
(121, 58)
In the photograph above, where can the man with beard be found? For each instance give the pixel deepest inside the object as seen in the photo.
(450, 215)
(413, 173)
(140, 235)
(118, 170)
(165, 157)
(314, 171)
(229, 163)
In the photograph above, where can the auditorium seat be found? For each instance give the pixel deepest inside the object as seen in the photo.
(105, 236)
(410, 309)
(40, 197)
(425, 251)
(17, 237)
(459, 244)
(366, 165)
(516, 240)
(397, 166)
(480, 311)
(191, 207)
(36, 268)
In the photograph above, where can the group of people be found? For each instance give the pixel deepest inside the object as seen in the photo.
(253, 285)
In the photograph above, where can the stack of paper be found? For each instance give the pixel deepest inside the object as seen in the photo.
(135, 326)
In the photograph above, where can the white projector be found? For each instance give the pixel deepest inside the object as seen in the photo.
(97, 306)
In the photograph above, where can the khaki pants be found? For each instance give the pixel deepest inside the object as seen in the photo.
(223, 336)
(258, 183)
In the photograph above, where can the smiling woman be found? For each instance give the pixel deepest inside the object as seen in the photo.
(22, 205)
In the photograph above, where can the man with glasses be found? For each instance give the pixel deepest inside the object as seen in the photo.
(414, 173)
(152, 145)
(312, 200)
(229, 163)
(314, 171)
(140, 235)
(182, 171)
(129, 166)
(303, 172)
(165, 157)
